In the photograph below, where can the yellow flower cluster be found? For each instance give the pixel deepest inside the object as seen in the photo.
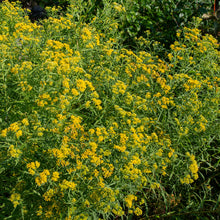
(55, 176)
(42, 178)
(15, 199)
(119, 87)
(13, 152)
(193, 169)
(32, 167)
(48, 195)
(67, 185)
(118, 7)
(129, 200)
(193, 166)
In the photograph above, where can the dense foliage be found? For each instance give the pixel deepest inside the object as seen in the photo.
(161, 18)
(90, 129)
(140, 17)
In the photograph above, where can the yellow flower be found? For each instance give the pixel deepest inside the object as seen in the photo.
(91, 131)
(118, 7)
(86, 34)
(25, 121)
(74, 92)
(186, 180)
(40, 211)
(87, 104)
(138, 211)
(90, 45)
(179, 57)
(129, 200)
(15, 199)
(109, 52)
(155, 166)
(67, 185)
(93, 146)
(47, 195)
(120, 148)
(66, 83)
(55, 176)
(171, 152)
(87, 203)
(13, 152)
(101, 183)
(42, 178)
(14, 127)
(19, 133)
(159, 152)
(119, 87)
(4, 132)
(81, 85)
(48, 214)
(40, 134)
(142, 201)
(32, 167)
(154, 185)
(193, 166)
(97, 101)
(95, 95)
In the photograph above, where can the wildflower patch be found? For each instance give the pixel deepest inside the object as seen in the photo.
(89, 128)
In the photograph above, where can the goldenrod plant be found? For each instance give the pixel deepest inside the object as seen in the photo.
(92, 130)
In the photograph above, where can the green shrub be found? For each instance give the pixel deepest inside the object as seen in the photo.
(90, 129)
(161, 18)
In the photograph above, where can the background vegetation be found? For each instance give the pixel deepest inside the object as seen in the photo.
(107, 113)
(159, 18)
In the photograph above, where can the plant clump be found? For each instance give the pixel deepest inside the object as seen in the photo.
(92, 129)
